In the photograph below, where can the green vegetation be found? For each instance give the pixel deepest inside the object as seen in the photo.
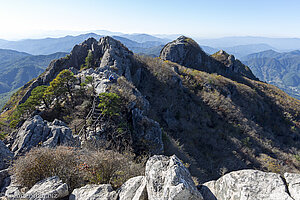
(60, 87)
(109, 104)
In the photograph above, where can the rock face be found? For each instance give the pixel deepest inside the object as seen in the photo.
(36, 132)
(134, 189)
(246, 184)
(168, 179)
(91, 192)
(50, 188)
(5, 155)
(233, 64)
(108, 53)
(293, 182)
(185, 51)
(147, 132)
(4, 174)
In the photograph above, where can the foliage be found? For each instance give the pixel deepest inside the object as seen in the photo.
(89, 60)
(61, 85)
(74, 167)
(109, 104)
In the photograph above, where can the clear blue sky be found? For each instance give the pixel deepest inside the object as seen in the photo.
(202, 18)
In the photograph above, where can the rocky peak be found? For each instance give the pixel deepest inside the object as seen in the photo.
(233, 64)
(185, 51)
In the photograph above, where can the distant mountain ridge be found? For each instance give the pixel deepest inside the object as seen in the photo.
(280, 69)
(17, 68)
(138, 43)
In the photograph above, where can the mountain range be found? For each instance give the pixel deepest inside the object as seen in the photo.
(280, 69)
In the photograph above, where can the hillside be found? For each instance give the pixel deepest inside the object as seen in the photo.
(18, 68)
(280, 69)
(210, 111)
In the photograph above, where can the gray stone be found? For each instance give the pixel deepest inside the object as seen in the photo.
(293, 182)
(48, 189)
(246, 184)
(133, 189)
(147, 132)
(5, 155)
(36, 131)
(3, 175)
(93, 192)
(168, 179)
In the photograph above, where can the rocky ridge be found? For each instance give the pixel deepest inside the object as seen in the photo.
(165, 177)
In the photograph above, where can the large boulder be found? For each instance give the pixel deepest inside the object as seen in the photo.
(246, 184)
(168, 179)
(5, 155)
(133, 189)
(48, 189)
(293, 183)
(35, 131)
(147, 132)
(185, 51)
(91, 192)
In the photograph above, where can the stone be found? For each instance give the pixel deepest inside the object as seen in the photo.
(293, 183)
(48, 189)
(35, 131)
(168, 179)
(5, 156)
(93, 192)
(246, 184)
(133, 189)
(147, 132)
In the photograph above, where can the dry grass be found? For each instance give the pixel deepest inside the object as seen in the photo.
(75, 167)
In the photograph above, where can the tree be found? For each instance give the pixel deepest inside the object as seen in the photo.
(89, 60)
(109, 104)
(61, 85)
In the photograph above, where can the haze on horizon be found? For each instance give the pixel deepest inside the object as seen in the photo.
(196, 18)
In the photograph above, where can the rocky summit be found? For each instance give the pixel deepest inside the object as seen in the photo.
(105, 123)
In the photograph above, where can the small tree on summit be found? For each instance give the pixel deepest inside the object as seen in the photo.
(89, 60)
(61, 85)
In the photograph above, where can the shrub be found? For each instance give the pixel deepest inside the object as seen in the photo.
(75, 167)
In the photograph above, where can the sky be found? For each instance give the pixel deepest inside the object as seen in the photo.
(20, 19)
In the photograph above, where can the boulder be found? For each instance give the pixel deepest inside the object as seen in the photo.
(246, 184)
(293, 183)
(48, 189)
(5, 155)
(91, 192)
(168, 179)
(35, 131)
(133, 189)
(185, 51)
(147, 132)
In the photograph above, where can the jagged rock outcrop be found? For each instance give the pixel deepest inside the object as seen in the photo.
(107, 54)
(50, 188)
(35, 131)
(185, 51)
(134, 189)
(167, 178)
(89, 192)
(5, 155)
(233, 64)
(147, 132)
(293, 184)
(246, 184)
